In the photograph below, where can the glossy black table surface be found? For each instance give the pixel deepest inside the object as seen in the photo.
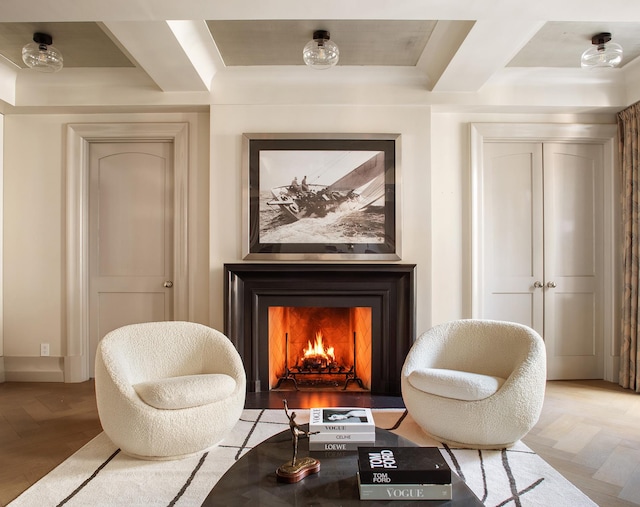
(252, 481)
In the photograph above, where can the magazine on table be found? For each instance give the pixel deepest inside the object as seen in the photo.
(341, 420)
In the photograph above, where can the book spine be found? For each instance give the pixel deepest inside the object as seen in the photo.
(336, 446)
(441, 476)
(343, 428)
(406, 492)
(365, 438)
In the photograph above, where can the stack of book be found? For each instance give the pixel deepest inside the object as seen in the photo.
(341, 429)
(403, 473)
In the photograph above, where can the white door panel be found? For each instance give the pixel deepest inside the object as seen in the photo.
(512, 307)
(117, 309)
(131, 188)
(575, 324)
(512, 197)
(131, 235)
(574, 260)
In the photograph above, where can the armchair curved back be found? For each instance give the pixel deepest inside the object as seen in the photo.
(155, 350)
(486, 347)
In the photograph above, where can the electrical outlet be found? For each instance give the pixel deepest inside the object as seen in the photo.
(44, 349)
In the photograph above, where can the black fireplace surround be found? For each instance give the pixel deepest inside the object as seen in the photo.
(389, 289)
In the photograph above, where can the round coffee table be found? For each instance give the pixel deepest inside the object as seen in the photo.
(252, 480)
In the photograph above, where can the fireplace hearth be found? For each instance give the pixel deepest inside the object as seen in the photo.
(379, 298)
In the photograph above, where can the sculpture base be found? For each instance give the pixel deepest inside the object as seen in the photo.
(294, 473)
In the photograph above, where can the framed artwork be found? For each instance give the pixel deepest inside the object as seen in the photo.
(321, 196)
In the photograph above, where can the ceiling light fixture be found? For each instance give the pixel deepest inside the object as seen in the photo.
(602, 53)
(41, 55)
(320, 53)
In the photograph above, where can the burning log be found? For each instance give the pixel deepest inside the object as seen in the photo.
(316, 356)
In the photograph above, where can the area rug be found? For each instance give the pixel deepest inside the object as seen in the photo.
(100, 475)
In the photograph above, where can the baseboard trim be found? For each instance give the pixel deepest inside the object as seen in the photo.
(33, 369)
(2, 375)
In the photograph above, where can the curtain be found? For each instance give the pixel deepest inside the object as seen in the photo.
(629, 145)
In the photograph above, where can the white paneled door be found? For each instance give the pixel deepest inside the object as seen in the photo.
(542, 247)
(130, 235)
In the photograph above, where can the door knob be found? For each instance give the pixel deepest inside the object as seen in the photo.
(551, 285)
(168, 284)
(537, 284)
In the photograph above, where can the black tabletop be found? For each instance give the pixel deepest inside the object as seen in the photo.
(252, 481)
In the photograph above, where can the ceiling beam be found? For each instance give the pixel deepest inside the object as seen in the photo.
(445, 40)
(156, 49)
(487, 48)
(199, 46)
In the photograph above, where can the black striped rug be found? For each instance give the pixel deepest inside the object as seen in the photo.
(100, 475)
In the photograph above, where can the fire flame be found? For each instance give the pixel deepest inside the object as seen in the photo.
(318, 349)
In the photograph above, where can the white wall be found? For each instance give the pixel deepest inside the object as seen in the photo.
(34, 235)
(435, 200)
(229, 122)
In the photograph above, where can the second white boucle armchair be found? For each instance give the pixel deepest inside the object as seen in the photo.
(476, 383)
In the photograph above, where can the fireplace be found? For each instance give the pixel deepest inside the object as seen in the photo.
(365, 312)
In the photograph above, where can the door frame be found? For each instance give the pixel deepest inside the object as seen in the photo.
(604, 134)
(79, 138)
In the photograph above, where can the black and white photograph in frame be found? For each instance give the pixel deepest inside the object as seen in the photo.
(321, 196)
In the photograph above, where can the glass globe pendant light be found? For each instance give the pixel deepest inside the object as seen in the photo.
(320, 53)
(602, 53)
(41, 55)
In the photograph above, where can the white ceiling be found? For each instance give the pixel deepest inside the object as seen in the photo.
(182, 48)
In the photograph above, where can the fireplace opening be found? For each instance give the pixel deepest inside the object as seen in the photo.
(319, 347)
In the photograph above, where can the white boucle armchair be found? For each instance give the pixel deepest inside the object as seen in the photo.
(476, 383)
(167, 390)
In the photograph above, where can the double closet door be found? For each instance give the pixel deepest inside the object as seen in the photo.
(542, 247)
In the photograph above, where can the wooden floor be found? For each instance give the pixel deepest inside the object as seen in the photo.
(589, 431)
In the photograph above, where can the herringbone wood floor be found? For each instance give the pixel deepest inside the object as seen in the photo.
(589, 431)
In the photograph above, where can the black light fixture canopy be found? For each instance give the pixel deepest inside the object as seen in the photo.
(42, 38)
(321, 35)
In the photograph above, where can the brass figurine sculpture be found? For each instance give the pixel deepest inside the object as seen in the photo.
(296, 470)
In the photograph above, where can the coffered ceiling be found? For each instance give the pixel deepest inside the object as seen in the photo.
(184, 46)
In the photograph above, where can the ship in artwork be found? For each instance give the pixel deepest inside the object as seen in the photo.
(362, 187)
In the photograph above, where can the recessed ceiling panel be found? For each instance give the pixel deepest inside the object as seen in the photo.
(361, 42)
(81, 44)
(560, 44)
